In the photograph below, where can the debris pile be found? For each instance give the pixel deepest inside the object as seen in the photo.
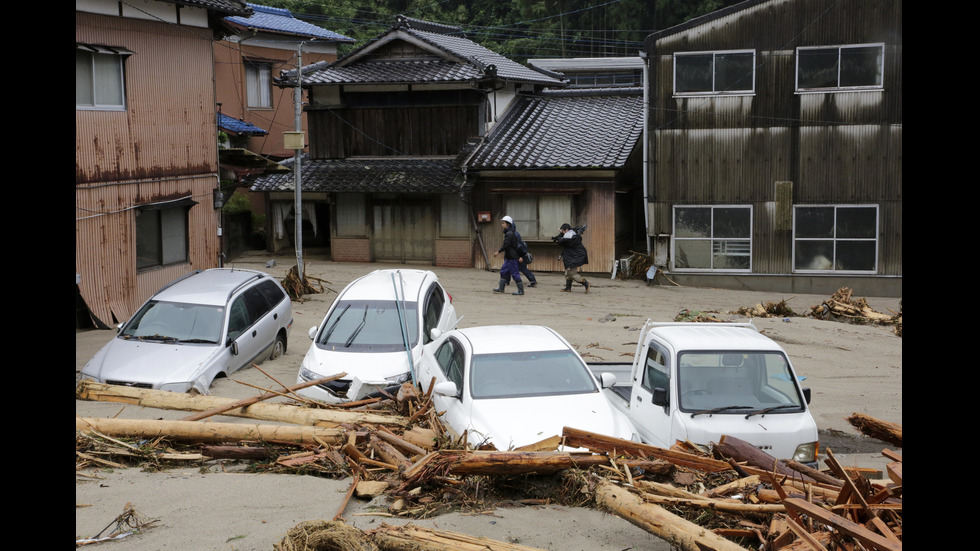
(296, 288)
(842, 306)
(696, 316)
(731, 496)
(768, 310)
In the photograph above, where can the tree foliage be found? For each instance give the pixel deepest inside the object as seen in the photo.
(518, 29)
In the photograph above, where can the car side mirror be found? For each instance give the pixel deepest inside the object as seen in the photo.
(607, 380)
(660, 397)
(447, 388)
(312, 332)
(806, 395)
(234, 348)
(434, 333)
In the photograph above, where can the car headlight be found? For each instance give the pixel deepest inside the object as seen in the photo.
(176, 387)
(397, 379)
(806, 453)
(308, 375)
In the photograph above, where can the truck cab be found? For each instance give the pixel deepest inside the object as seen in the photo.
(699, 381)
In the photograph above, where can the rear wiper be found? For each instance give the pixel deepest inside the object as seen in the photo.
(359, 327)
(332, 327)
(767, 410)
(717, 410)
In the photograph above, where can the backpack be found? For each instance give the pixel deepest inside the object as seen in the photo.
(522, 249)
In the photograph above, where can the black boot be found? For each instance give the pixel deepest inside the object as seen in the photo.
(587, 286)
(520, 289)
(500, 286)
(568, 286)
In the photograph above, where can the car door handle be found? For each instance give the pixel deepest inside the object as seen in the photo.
(639, 398)
(254, 332)
(275, 315)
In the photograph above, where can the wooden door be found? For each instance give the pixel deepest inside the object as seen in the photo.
(404, 230)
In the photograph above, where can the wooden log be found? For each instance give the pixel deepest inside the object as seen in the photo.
(389, 453)
(876, 428)
(255, 399)
(407, 447)
(740, 450)
(675, 530)
(739, 485)
(284, 413)
(597, 442)
(814, 474)
(237, 452)
(728, 506)
(421, 437)
(819, 514)
(514, 463)
(417, 538)
(207, 432)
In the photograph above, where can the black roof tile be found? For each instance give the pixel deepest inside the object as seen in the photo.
(398, 175)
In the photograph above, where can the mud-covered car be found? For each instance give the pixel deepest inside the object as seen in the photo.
(206, 324)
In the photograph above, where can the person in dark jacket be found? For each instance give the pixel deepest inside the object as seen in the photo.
(522, 262)
(511, 257)
(573, 255)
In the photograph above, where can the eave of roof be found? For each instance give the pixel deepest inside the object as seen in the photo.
(232, 7)
(281, 21)
(238, 126)
(395, 175)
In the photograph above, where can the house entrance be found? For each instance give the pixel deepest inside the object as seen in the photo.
(403, 230)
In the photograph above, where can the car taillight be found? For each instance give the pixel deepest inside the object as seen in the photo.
(450, 298)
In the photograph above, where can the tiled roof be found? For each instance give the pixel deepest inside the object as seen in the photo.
(583, 128)
(221, 6)
(399, 175)
(280, 20)
(231, 124)
(477, 62)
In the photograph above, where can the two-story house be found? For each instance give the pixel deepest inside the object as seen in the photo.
(775, 147)
(146, 159)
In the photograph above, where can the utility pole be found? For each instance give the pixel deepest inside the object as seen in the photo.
(298, 208)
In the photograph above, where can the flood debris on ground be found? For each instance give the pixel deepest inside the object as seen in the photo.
(729, 495)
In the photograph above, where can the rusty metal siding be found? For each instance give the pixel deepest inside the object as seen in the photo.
(105, 242)
(162, 146)
(169, 125)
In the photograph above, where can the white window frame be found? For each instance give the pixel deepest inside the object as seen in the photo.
(103, 75)
(538, 216)
(258, 84)
(841, 49)
(719, 245)
(714, 91)
(835, 240)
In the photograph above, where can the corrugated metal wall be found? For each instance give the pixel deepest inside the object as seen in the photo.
(162, 146)
(833, 148)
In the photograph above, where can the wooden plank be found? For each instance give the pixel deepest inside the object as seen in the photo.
(837, 522)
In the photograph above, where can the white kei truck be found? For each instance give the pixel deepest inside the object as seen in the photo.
(698, 381)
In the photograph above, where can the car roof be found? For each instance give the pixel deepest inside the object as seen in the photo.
(209, 286)
(378, 285)
(492, 339)
(709, 336)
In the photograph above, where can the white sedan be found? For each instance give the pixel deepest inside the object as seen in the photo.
(374, 331)
(514, 385)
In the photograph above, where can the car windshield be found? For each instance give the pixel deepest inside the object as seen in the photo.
(369, 326)
(518, 374)
(170, 321)
(742, 383)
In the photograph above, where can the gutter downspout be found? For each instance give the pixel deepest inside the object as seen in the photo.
(646, 147)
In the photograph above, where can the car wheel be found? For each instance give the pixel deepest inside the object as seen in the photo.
(278, 347)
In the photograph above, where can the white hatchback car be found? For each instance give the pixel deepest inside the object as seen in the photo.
(374, 331)
(514, 385)
(202, 325)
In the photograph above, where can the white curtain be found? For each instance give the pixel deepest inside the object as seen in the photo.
(309, 213)
(280, 211)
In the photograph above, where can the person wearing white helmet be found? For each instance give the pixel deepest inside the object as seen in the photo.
(511, 257)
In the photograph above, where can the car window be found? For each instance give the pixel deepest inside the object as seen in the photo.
(370, 326)
(238, 318)
(175, 320)
(516, 374)
(450, 359)
(273, 293)
(256, 303)
(434, 302)
(655, 372)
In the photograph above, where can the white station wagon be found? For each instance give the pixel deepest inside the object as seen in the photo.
(374, 331)
(514, 385)
(202, 325)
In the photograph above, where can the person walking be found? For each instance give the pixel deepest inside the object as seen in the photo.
(511, 267)
(524, 259)
(573, 255)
